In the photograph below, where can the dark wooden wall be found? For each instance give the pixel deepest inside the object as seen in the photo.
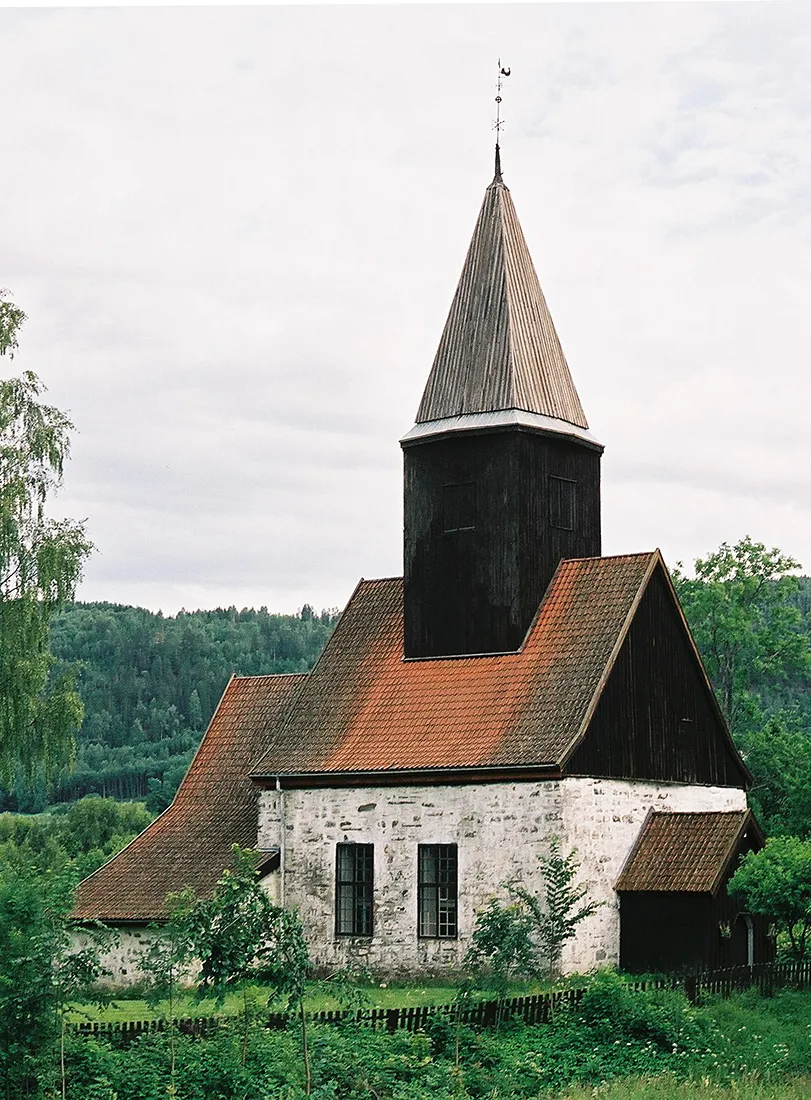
(673, 932)
(664, 932)
(477, 590)
(656, 719)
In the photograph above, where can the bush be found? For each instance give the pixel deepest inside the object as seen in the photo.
(648, 1040)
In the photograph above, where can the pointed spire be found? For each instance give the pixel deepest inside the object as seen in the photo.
(499, 350)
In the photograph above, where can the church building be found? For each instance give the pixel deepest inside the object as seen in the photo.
(514, 686)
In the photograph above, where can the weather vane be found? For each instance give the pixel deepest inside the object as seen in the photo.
(498, 124)
(502, 72)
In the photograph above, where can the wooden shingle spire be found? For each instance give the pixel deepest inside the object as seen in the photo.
(502, 475)
(499, 350)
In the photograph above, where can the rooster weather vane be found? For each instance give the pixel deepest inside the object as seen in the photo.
(498, 125)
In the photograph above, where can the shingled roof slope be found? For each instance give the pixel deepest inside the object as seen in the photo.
(215, 807)
(499, 349)
(685, 852)
(364, 708)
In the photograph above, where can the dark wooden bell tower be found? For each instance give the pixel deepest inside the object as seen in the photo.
(502, 476)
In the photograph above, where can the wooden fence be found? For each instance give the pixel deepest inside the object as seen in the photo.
(535, 1009)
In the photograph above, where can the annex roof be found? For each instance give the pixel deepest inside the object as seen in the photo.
(685, 852)
(499, 349)
(364, 708)
(214, 808)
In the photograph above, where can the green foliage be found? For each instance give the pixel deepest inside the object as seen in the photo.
(776, 882)
(656, 1043)
(742, 609)
(40, 973)
(240, 936)
(40, 564)
(751, 619)
(11, 321)
(555, 921)
(166, 962)
(778, 754)
(501, 945)
(524, 938)
(242, 939)
(77, 838)
(100, 825)
(27, 947)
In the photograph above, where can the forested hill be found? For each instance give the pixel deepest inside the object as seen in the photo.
(150, 684)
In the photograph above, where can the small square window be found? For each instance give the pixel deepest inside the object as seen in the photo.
(354, 888)
(437, 891)
(459, 507)
(562, 503)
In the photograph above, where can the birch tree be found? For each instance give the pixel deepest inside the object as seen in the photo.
(40, 564)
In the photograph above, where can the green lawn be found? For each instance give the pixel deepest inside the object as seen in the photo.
(319, 999)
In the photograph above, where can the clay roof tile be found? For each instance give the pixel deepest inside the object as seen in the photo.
(365, 708)
(215, 807)
(685, 852)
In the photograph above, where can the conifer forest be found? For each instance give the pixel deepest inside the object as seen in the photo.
(150, 683)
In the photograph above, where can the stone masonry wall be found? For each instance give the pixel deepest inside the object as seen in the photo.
(121, 959)
(602, 819)
(500, 828)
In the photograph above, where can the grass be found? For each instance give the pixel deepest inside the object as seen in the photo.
(667, 1088)
(123, 1009)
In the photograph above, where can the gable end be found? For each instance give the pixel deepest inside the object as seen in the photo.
(657, 717)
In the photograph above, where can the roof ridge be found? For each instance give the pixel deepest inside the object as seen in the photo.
(237, 677)
(696, 813)
(614, 557)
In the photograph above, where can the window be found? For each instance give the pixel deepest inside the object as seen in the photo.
(459, 507)
(436, 891)
(562, 503)
(353, 889)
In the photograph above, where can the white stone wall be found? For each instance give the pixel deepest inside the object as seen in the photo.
(602, 819)
(121, 959)
(500, 828)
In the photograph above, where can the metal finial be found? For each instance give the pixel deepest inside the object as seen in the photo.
(499, 123)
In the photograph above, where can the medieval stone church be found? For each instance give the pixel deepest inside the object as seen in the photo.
(512, 687)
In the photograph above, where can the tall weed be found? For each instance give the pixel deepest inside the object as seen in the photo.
(616, 1045)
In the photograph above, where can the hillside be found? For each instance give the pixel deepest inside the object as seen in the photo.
(150, 684)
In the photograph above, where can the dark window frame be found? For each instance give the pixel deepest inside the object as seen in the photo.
(459, 507)
(562, 507)
(438, 891)
(354, 889)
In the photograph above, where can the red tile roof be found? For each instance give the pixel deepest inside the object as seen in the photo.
(686, 852)
(366, 708)
(215, 807)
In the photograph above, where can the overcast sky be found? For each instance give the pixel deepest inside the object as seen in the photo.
(237, 232)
